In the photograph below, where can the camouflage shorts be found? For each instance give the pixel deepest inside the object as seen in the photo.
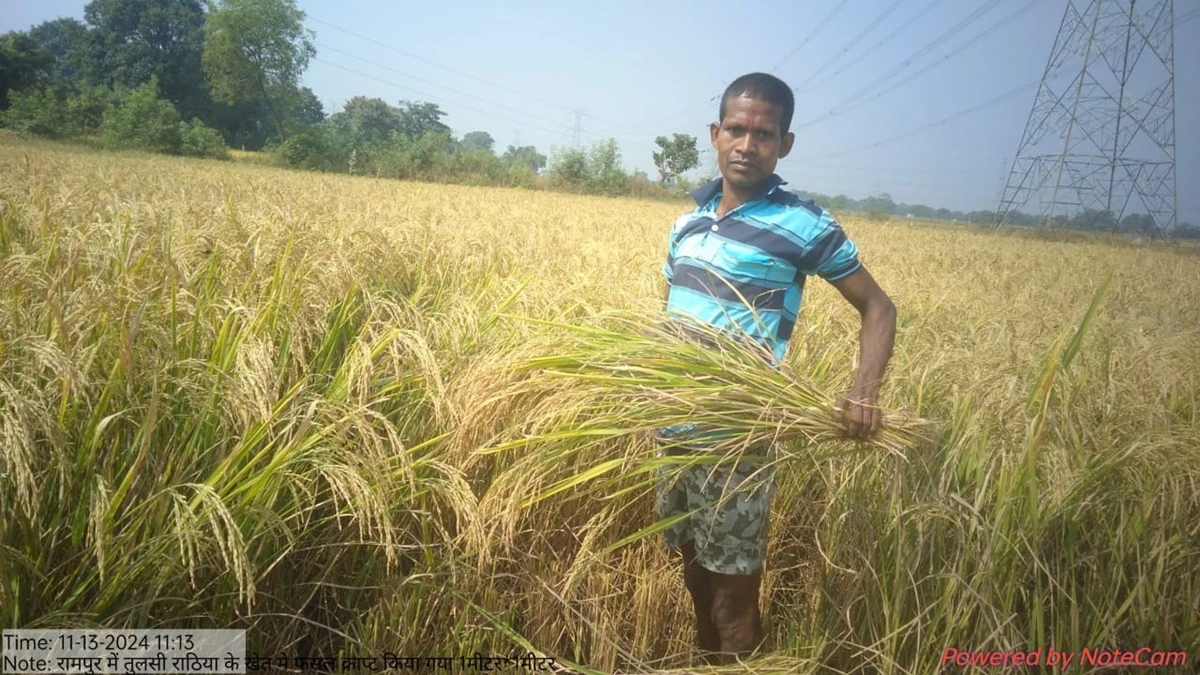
(733, 503)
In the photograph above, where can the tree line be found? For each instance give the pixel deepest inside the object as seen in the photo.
(194, 78)
(161, 75)
(185, 77)
(882, 206)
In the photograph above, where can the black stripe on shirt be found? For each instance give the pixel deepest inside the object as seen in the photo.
(761, 238)
(822, 250)
(725, 288)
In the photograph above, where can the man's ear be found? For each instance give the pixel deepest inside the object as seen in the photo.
(788, 139)
(713, 129)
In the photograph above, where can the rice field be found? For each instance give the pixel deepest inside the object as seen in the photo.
(357, 416)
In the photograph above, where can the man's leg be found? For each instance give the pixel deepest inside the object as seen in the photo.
(735, 614)
(672, 499)
(732, 545)
(699, 582)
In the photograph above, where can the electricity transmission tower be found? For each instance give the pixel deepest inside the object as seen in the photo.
(1100, 138)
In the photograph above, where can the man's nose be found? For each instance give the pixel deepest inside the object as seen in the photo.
(746, 144)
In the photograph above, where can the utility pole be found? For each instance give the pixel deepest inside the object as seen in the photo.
(1104, 140)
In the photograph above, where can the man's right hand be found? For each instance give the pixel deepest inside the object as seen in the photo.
(859, 411)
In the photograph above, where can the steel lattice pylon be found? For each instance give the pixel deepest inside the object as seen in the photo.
(1101, 133)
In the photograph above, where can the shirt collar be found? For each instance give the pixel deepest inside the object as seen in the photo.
(705, 193)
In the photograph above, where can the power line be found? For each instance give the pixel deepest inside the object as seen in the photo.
(1187, 17)
(688, 109)
(810, 36)
(885, 40)
(931, 125)
(851, 44)
(967, 44)
(930, 184)
(845, 107)
(438, 65)
(894, 169)
(430, 96)
(460, 72)
(435, 84)
(782, 61)
(576, 129)
(915, 56)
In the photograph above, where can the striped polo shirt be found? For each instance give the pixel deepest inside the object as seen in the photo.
(744, 273)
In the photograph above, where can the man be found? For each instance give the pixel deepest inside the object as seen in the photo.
(738, 263)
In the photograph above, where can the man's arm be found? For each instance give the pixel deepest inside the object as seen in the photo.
(858, 409)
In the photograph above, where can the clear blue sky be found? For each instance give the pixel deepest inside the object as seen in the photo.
(640, 69)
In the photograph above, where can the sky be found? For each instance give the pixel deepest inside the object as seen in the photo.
(934, 123)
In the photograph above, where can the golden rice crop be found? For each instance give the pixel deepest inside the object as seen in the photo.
(362, 415)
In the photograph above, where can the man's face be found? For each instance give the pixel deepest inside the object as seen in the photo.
(748, 142)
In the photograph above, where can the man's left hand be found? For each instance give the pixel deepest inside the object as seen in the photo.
(859, 412)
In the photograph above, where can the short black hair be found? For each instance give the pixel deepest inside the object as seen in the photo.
(763, 87)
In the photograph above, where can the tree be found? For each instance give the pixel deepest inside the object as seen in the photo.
(131, 41)
(23, 64)
(678, 156)
(254, 48)
(66, 40)
(366, 120)
(477, 140)
(879, 205)
(35, 111)
(604, 167)
(1138, 223)
(569, 168)
(305, 108)
(418, 120)
(144, 121)
(526, 155)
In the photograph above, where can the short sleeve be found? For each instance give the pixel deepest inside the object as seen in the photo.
(831, 256)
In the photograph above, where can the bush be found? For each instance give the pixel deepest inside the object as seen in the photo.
(37, 112)
(597, 172)
(54, 114)
(316, 149)
(426, 157)
(197, 140)
(86, 109)
(144, 122)
(604, 169)
(520, 175)
(642, 187)
(569, 169)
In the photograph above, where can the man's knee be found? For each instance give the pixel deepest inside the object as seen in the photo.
(735, 612)
(734, 608)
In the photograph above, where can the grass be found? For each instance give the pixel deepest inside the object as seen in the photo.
(363, 416)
